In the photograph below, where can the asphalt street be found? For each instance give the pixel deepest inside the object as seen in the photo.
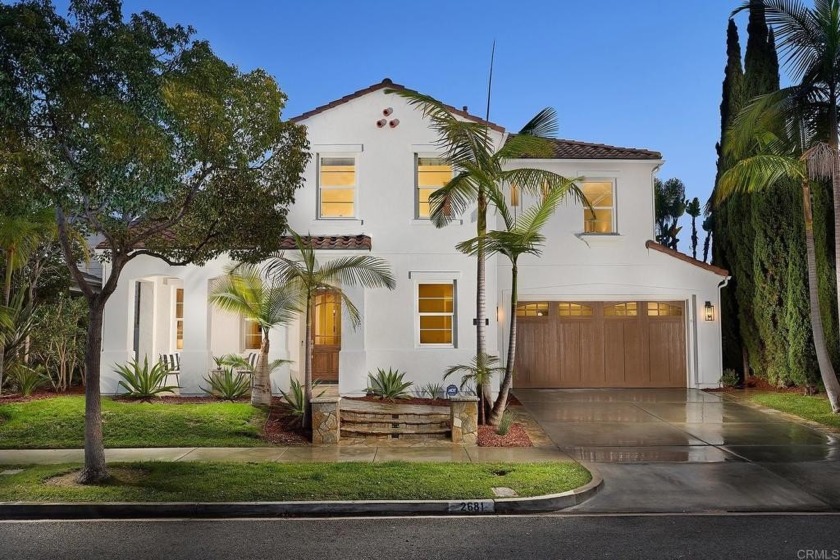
(625, 537)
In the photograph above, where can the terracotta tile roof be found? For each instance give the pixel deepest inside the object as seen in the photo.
(677, 255)
(340, 242)
(572, 149)
(386, 84)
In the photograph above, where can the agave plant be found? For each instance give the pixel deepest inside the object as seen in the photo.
(27, 378)
(227, 384)
(388, 384)
(296, 403)
(143, 382)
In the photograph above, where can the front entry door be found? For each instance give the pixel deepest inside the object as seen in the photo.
(326, 336)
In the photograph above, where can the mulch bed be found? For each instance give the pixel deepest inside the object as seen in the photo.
(278, 428)
(516, 437)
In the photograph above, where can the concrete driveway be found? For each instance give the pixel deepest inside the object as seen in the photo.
(677, 450)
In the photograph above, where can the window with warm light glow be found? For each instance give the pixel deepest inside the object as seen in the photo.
(179, 318)
(514, 195)
(566, 309)
(337, 187)
(627, 309)
(662, 309)
(253, 335)
(532, 309)
(432, 174)
(600, 218)
(436, 314)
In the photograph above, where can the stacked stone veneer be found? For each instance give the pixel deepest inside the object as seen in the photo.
(464, 419)
(326, 420)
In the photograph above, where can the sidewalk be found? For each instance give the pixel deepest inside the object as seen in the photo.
(442, 454)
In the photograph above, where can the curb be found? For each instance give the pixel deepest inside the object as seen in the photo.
(134, 510)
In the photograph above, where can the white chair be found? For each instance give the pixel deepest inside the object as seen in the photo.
(172, 363)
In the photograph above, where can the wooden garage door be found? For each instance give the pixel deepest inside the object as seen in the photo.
(601, 344)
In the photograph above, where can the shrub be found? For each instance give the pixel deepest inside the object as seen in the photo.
(505, 423)
(729, 378)
(27, 378)
(58, 339)
(143, 382)
(227, 384)
(388, 384)
(296, 400)
(432, 390)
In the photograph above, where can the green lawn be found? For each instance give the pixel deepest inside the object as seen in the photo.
(814, 408)
(223, 482)
(59, 423)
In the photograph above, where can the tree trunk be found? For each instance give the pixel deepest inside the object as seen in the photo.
(829, 377)
(7, 296)
(307, 370)
(261, 391)
(835, 185)
(95, 469)
(501, 401)
(480, 300)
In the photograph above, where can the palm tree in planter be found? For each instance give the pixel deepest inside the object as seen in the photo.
(481, 165)
(521, 236)
(267, 302)
(771, 142)
(306, 278)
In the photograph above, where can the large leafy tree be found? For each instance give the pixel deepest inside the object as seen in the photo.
(521, 236)
(133, 130)
(304, 276)
(244, 291)
(669, 198)
(482, 165)
(769, 143)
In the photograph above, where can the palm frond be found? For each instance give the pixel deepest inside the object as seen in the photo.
(453, 199)
(756, 173)
(364, 270)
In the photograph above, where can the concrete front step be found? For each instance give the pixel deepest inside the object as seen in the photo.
(347, 416)
(384, 407)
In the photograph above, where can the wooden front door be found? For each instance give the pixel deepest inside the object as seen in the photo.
(601, 344)
(326, 336)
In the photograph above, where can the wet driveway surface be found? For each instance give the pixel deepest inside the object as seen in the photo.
(675, 450)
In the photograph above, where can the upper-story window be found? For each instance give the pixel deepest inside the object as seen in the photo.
(337, 187)
(179, 318)
(432, 174)
(600, 218)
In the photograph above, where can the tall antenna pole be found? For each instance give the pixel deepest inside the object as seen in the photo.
(490, 81)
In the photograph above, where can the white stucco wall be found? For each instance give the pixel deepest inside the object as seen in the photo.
(571, 267)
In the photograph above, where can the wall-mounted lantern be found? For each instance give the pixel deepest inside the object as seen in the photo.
(709, 311)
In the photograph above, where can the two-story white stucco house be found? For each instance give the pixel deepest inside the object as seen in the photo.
(602, 307)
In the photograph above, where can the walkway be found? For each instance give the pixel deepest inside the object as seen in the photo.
(685, 450)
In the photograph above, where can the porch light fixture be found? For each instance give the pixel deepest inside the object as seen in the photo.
(709, 311)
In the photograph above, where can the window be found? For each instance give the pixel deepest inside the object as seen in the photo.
(337, 187)
(535, 309)
(601, 217)
(436, 314)
(627, 309)
(661, 309)
(432, 174)
(565, 309)
(514, 195)
(253, 335)
(179, 318)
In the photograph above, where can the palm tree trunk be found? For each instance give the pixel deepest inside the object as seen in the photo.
(261, 392)
(7, 296)
(481, 298)
(95, 469)
(501, 401)
(307, 370)
(829, 377)
(835, 184)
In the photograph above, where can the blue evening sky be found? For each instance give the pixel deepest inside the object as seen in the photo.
(640, 73)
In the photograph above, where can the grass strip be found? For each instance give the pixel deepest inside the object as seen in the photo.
(236, 482)
(58, 423)
(814, 408)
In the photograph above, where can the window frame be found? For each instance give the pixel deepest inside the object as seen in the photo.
(320, 187)
(417, 157)
(417, 314)
(614, 222)
(176, 319)
(245, 334)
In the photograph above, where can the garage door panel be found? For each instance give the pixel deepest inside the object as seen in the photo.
(571, 350)
(592, 355)
(614, 353)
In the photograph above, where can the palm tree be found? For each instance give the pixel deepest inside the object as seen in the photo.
(809, 39)
(482, 165)
(521, 236)
(244, 291)
(693, 209)
(306, 278)
(771, 142)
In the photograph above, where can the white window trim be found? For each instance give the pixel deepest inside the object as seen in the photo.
(345, 155)
(602, 179)
(434, 278)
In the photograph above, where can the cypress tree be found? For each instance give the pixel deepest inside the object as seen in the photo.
(721, 216)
